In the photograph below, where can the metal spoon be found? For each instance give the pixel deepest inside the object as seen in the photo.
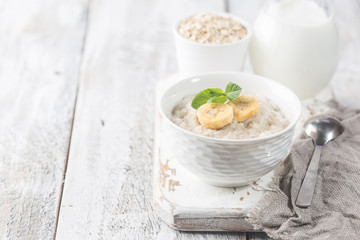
(321, 129)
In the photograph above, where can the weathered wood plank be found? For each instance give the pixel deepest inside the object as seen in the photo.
(40, 49)
(108, 192)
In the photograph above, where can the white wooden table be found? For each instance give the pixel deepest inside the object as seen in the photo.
(77, 83)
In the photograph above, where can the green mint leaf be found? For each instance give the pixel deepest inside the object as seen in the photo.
(218, 99)
(232, 91)
(204, 96)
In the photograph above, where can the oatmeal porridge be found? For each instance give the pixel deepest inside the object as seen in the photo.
(268, 120)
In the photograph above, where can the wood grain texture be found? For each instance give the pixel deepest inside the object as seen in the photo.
(40, 49)
(108, 192)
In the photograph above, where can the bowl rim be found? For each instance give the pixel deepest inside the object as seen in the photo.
(242, 21)
(291, 125)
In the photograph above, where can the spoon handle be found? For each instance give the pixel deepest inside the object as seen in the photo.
(308, 185)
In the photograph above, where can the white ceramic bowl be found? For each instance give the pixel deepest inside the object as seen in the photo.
(222, 162)
(195, 58)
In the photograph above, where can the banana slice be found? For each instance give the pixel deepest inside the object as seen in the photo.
(215, 115)
(244, 107)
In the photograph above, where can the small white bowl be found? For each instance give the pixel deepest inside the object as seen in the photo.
(222, 162)
(195, 58)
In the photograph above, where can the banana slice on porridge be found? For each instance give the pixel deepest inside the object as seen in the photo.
(244, 107)
(215, 115)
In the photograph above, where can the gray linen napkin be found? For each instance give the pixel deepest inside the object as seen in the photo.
(335, 209)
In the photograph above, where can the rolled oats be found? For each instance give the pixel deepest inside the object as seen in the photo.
(209, 28)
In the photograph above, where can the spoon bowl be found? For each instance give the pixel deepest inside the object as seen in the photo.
(323, 129)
